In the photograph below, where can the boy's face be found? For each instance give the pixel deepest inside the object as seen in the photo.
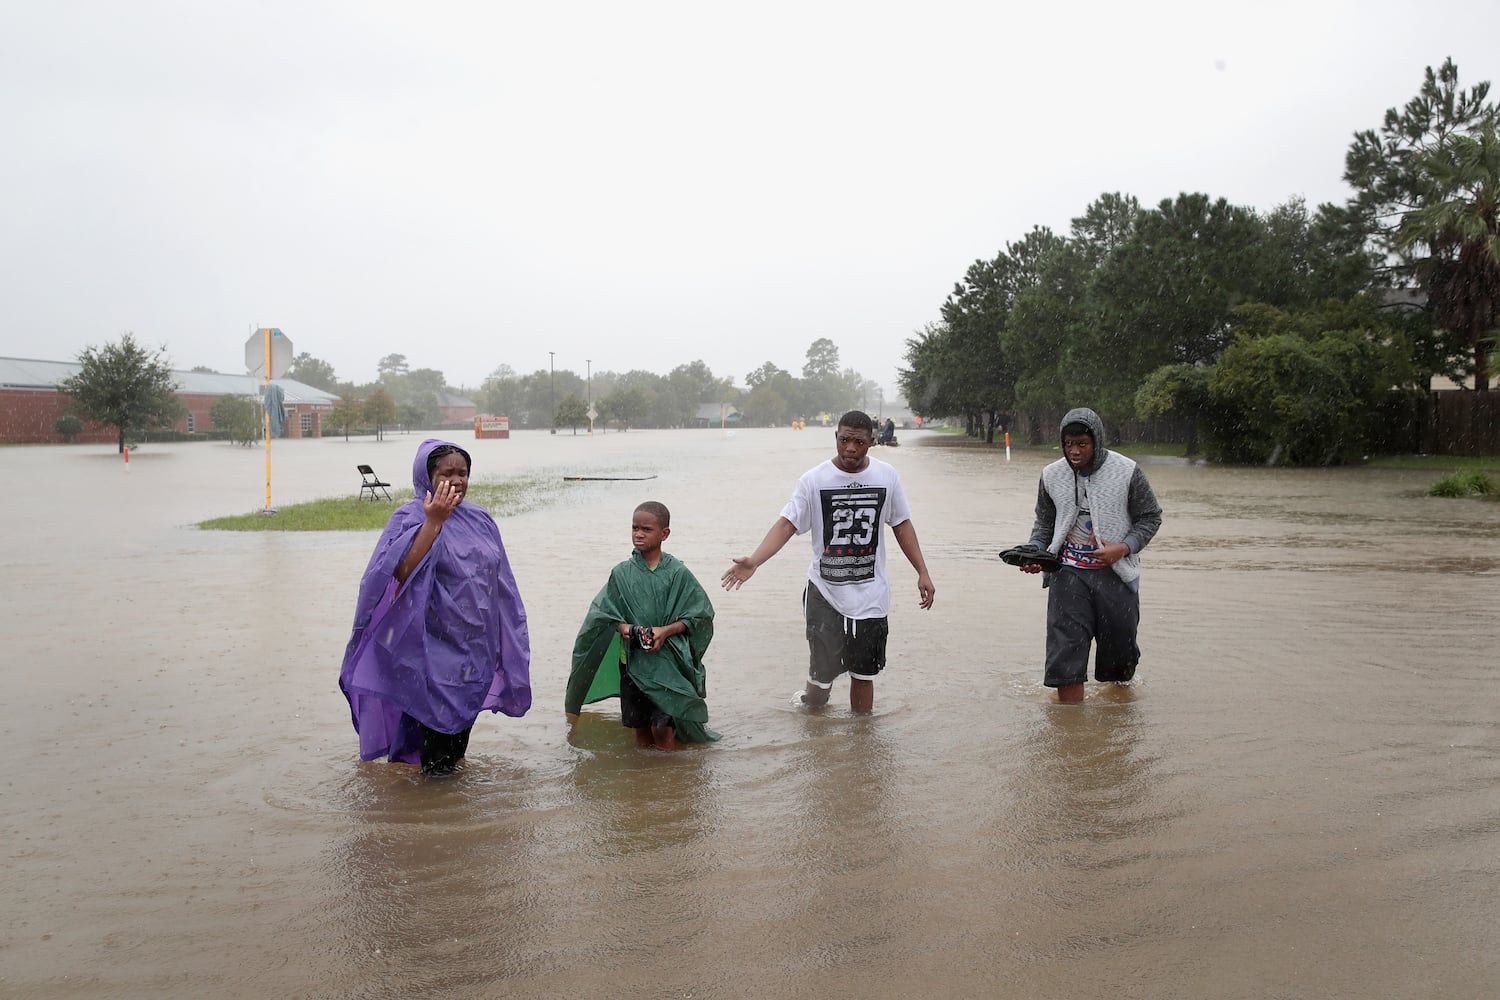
(646, 532)
(852, 445)
(1079, 448)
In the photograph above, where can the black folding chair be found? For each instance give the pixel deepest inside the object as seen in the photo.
(370, 481)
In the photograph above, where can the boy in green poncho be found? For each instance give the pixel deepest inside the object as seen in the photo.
(643, 642)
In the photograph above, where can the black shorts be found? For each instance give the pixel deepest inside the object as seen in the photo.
(1091, 606)
(636, 710)
(837, 645)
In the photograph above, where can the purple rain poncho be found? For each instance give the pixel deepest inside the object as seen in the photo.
(446, 646)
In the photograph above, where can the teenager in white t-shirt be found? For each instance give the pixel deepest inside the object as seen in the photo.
(842, 504)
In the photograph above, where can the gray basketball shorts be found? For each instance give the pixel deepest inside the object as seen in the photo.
(838, 645)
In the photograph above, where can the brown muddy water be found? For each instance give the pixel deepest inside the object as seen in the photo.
(1300, 797)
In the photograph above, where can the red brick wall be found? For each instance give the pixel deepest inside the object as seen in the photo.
(27, 416)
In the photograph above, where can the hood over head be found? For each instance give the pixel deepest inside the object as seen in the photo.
(1090, 419)
(421, 479)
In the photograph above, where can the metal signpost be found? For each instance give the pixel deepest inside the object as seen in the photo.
(268, 352)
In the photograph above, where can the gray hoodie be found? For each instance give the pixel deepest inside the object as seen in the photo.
(1123, 505)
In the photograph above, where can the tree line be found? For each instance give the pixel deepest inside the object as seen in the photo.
(127, 387)
(1271, 336)
(562, 398)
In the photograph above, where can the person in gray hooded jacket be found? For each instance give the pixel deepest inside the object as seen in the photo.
(1095, 510)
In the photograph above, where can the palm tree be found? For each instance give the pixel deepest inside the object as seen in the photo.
(1459, 225)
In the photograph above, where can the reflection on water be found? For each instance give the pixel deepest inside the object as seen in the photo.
(1293, 799)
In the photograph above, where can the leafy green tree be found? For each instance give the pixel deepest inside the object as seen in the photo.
(411, 415)
(822, 360)
(931, 373)
(981, 378)
(346, 413)
(1458, 226)
(1408, 167)
(416, 391)
(690, 385)
(122, 386)
(768, 406)
(1307, 259)
(69, 426)
(571, 412)
(310, 371)
(392, 366)
(653, 393)
(1052, 322)
(1303, 389)
(239, 417)
(774, 397)
(1165, 296)
(1177, 391)
(626, 406)
(501, 395)
(767, 373)
(380, 411)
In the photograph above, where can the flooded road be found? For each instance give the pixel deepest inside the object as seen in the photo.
(1300, 797)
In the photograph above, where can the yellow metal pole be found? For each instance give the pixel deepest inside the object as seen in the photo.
(266, 419)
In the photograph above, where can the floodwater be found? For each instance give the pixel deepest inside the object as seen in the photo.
(1300, 797)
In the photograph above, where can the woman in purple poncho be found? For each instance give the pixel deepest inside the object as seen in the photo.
(439, 630)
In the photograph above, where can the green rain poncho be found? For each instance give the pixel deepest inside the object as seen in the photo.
(672, 677)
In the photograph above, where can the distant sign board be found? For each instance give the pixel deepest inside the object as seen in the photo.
(255, 353)
(491, 427)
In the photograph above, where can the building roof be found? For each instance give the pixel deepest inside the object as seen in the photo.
(27, 373)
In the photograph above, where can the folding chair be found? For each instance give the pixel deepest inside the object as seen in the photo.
(369, 481)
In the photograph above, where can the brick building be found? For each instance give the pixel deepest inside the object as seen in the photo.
(31, 402)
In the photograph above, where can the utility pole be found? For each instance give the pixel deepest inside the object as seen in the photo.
(552, 370)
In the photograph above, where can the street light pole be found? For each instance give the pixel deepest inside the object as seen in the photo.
(588, 391)
(552, 370)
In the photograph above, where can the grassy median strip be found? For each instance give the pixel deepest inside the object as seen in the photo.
(350, 514)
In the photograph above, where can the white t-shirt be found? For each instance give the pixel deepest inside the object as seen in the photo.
(844, 512)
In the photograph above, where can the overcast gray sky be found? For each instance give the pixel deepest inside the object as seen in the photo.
(635, 183)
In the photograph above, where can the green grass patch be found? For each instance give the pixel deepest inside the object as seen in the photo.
(1464, 484)
(350, 514)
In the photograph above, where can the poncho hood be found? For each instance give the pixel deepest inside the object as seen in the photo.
(421, 480)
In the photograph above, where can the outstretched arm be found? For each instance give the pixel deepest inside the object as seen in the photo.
(906, 537)
(745, 566)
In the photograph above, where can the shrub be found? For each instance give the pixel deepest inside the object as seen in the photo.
(68, 426)
(1464, 484)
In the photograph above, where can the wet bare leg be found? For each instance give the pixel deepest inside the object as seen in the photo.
(1070, 694)
(814, 696)
(643, 737)
(663, 738)
(861, 696)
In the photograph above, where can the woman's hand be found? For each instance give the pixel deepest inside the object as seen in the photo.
(440, 502)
